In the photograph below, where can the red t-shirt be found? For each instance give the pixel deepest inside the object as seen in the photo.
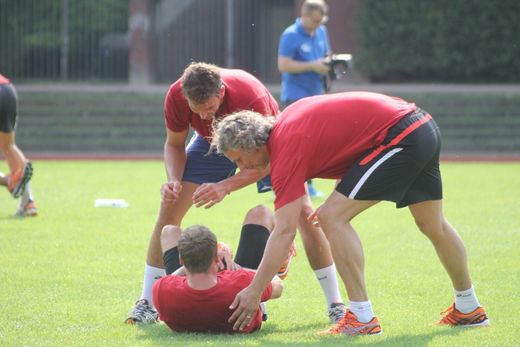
(243, 92)
(185, 309)
(4, 80)
(322, 136)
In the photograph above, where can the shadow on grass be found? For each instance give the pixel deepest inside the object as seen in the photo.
(270, 335)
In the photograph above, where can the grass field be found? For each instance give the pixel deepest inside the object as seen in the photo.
(69, 276)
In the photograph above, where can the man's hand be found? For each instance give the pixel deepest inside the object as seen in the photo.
(208, 194)
(246, 305)
(170, 191)
(225, 258)
(321, 66)
(313, 218)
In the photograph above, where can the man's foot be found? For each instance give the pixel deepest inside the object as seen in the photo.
(336, 312)
(284, 268)
(143, 313)
(29, 210)
(349, 325)
(313, 193)
(455, 318)
(264, 311)
(19, 178)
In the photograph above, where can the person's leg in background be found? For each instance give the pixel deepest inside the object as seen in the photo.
(20, 168)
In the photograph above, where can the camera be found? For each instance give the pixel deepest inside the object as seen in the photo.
(339, 64)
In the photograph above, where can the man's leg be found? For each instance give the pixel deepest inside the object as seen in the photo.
(334, 217)
(27, 206)
(430, 219)
(319, 255)
(20, 168)
(258, 224)
(170, 236)
(169, 213)
(13, 155)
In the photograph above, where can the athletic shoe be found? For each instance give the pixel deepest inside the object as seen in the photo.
(313, 193)
(336, 312)
(349, 325)
(19, 178)
(143, 313)
(284, 268)
(455, 318)
(29, 210)
(263, 308)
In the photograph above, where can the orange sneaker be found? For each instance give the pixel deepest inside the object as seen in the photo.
(29, 210)
(284, 268)
(18, 179)
(455, 318)
(349, 325)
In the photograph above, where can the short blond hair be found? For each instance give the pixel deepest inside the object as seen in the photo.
(310, 6)
(201, 81)
(242, 131)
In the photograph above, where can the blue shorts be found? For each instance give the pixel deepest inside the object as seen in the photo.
(203, 167)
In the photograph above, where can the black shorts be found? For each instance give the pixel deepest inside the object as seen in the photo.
(403, 169)
(8, 101)
(253, 239)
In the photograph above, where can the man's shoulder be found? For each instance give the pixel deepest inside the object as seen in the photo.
(175, 89)
(235, 275)
(236, 76)
(291, 32)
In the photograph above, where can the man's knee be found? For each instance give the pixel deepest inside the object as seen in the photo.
(170, 235)
(430, 227)
(260, 215)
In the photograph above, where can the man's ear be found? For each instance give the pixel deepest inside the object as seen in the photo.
(181, 261)
(222, 91)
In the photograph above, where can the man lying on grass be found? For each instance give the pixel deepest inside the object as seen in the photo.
(197, 296)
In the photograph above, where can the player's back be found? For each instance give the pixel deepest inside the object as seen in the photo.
(185, 309)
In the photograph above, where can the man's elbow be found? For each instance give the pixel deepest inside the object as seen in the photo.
(282, 64)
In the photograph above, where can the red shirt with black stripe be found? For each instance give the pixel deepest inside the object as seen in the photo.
(243, 92)
(185, 309)
(322, 136)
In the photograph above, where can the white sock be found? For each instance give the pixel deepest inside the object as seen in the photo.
(329, 284)
(466, 301)
(151, 274)
(263, 308)
(26, 196)
(362, 310)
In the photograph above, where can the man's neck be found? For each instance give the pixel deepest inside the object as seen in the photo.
(202, 281)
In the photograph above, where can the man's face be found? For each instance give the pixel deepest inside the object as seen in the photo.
(255, 160)
(207, 109)
(312, 20)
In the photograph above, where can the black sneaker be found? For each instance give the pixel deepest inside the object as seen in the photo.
(143, 313)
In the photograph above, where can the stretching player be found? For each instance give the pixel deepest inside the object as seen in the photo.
(204, 94)
(380, 148)
(197, 297)
(17, 182)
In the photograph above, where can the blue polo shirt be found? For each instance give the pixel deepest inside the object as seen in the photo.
(297, 44)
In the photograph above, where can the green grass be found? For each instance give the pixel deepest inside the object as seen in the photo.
(69, 276)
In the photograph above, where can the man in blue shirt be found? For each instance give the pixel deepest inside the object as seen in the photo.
(302, 54)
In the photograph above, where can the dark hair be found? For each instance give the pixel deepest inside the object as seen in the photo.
(201, 81)
(197, 248)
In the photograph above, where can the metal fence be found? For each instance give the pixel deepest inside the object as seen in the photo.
(89, 39)
(64, 39)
